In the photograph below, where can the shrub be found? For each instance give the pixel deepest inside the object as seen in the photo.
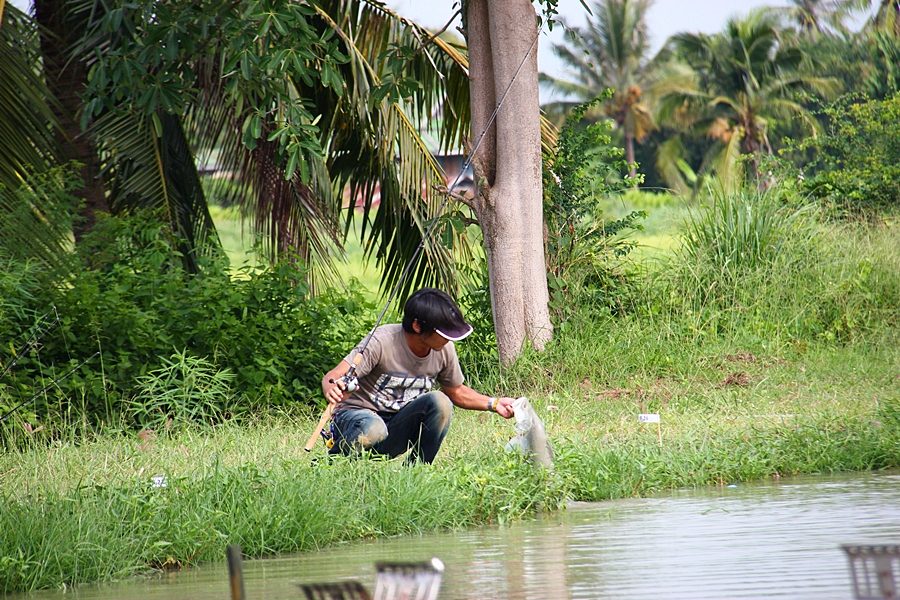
(583, 244)
(136, 305)
(856, 168)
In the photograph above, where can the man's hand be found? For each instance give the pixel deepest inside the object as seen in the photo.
(334, 390)
(504, 407)
(334, 385)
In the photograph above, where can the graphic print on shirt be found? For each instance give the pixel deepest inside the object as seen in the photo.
(393, 391)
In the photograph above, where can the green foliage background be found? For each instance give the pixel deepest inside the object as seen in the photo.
(137, 307)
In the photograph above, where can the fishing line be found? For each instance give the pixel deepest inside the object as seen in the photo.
(33, 342)
(425, 236)
(48, 386)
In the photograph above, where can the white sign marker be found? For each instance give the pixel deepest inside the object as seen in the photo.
(649, 418)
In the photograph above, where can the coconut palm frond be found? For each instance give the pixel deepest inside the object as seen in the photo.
(378, 149)
(670, 165)
(185, 203)
(146, 170)
(887, 18)
(622, 30)
(725, 162)
(815, 17)
(36, 204)
(36, 219)
(27, 124)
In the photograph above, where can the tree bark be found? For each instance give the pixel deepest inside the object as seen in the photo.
(507, 165)
(66, 80)
(629, 155)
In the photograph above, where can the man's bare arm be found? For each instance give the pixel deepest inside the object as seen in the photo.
(465, 397)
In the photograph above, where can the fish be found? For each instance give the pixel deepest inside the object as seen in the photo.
(531, 436)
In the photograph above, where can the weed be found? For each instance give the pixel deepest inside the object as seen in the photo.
(185, 391)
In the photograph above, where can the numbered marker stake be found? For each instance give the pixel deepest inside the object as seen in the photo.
(652, 418)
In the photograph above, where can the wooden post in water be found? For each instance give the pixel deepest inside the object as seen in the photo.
(235, 573)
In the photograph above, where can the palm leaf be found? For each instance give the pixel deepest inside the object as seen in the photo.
(36, 204)
(159, 173)
(725, 161)
(27, 124)
(669, 155)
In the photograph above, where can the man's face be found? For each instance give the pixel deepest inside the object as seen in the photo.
(434, 340)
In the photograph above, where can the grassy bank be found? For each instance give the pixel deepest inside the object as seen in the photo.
(87, 510)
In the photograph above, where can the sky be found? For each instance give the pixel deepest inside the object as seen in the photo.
(664, 18)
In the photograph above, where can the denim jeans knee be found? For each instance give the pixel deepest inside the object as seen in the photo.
(356, 429)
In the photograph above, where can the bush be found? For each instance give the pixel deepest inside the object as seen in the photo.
(137, 306)
(582, 244)
(856, 169)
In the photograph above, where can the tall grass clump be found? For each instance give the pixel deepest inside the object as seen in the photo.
(753, 264)
(740, 232)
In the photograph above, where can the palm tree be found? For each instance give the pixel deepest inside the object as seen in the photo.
(66, 77)
(734, 87)
(611, 52)
(887, 17)
(816, 17)
(285, 97)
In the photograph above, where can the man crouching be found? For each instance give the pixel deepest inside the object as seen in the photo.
(395, 408)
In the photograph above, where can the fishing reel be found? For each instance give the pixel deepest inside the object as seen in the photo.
(350, 381)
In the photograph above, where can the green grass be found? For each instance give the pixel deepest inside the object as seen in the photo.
(662, 227)
(85, 509)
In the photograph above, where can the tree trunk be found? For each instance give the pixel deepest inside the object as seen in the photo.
(629, 155)
(66, 80)
(508, 169)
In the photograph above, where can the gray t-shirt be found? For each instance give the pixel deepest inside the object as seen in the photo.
(390, 375)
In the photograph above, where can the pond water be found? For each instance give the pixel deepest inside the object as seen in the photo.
(776, 539)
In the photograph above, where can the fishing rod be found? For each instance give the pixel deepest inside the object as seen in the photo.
(349, 379)
(48, 386)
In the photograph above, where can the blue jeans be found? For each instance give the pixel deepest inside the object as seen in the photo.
(420, 427)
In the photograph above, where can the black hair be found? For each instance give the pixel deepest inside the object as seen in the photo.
(433, 309)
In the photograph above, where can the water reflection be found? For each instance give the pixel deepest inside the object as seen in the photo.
(751, 541)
